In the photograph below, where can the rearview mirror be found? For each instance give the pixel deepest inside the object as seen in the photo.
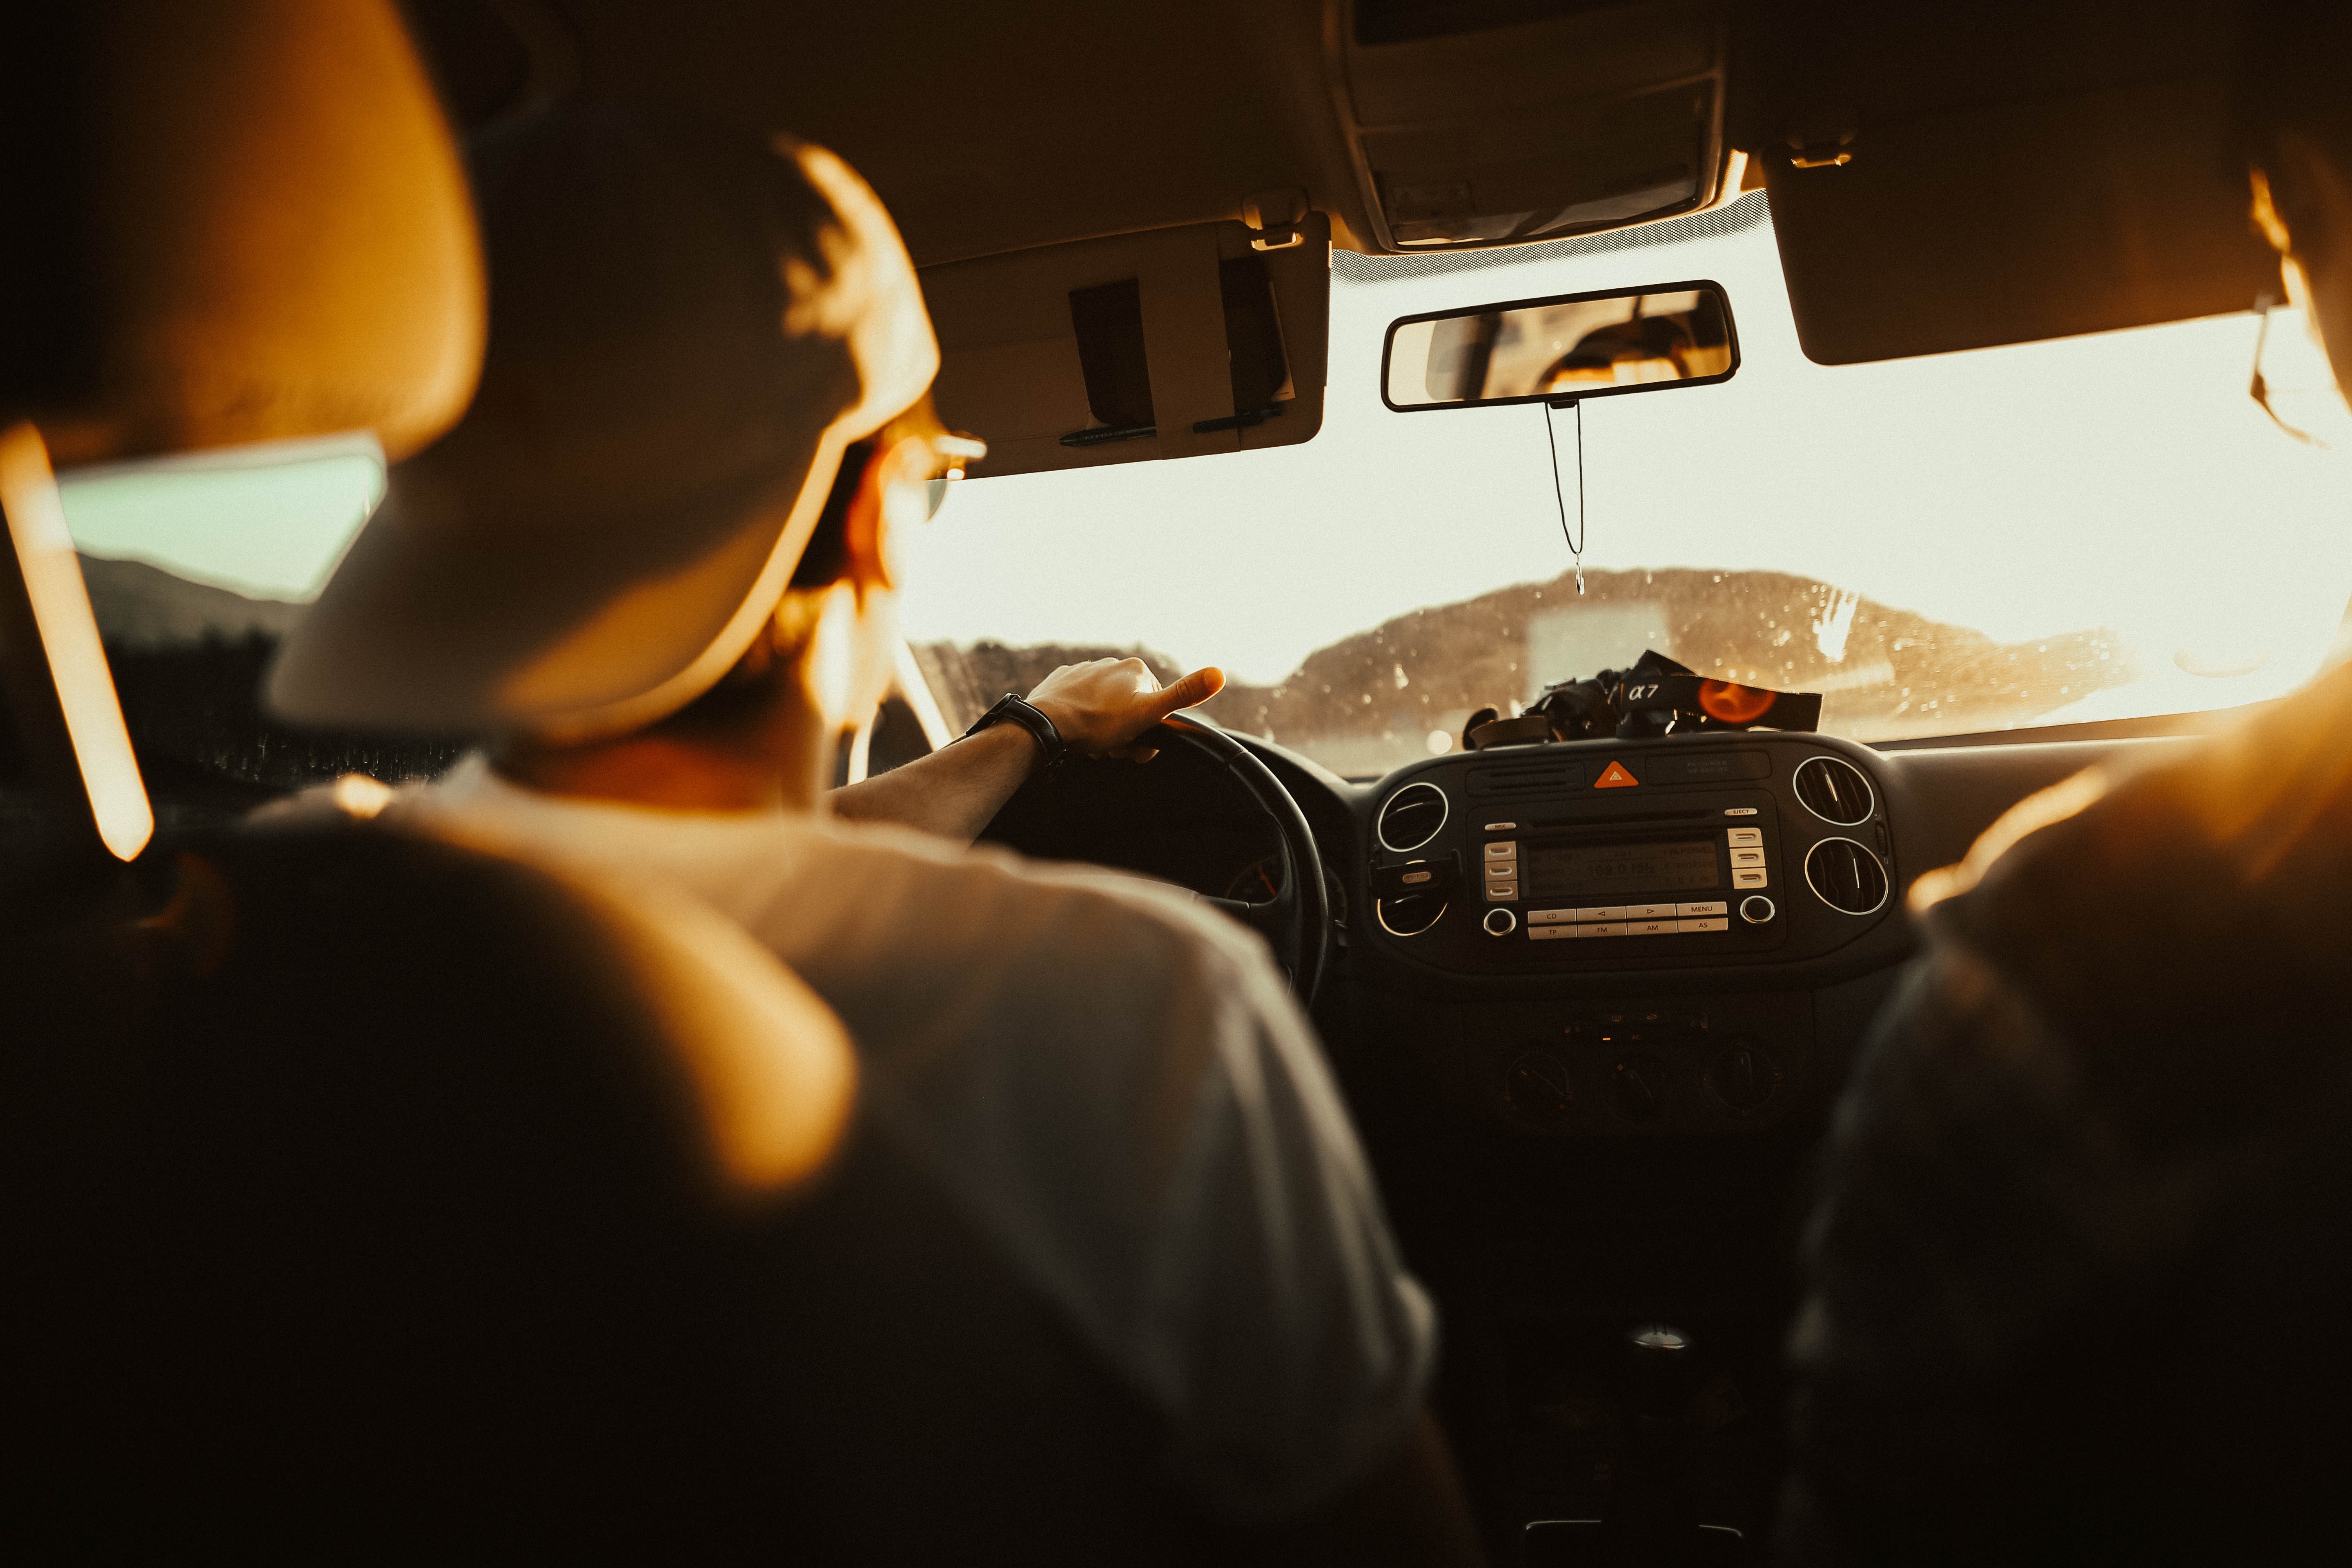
(1561, 349)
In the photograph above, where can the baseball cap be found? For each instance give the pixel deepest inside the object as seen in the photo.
(688, 325)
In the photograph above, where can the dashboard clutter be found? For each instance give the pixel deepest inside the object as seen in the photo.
(1655, 696)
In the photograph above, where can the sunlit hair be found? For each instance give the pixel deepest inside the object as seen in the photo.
(2293, 64)
(749, 689)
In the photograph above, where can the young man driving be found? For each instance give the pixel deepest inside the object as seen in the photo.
(2080, 1274)
(654, 564)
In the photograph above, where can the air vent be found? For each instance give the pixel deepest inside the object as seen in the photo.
(1547, 777)
(1845, 876)
(1413, 817)
(1411, 915)
(1835, 791)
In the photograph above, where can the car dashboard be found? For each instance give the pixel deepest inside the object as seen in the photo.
(1592, 1004)
(1633, 924)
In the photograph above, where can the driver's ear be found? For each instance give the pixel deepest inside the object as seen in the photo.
(893, 482)
(2303, 202)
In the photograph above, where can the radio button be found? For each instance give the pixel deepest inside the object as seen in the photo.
(1551, 933)
(1549, 917)
(1502, 848)
(1502, 892)
(1713, 907)
(1650, 911)
(1602, 912)
(1722, 924)
(1650, 928)
(1748, 879)
(1501, 827)
(1502, 870)
(1739, 811)
(1748, 856)
(1614, 928)
(1743, 838)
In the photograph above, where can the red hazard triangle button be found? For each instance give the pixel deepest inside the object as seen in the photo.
(1615, 777)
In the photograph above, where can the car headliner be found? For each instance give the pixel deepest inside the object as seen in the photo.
(2019, 171)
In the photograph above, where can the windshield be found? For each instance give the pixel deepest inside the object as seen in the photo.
(2097, 528)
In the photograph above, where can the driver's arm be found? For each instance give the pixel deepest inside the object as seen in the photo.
(1102, 708)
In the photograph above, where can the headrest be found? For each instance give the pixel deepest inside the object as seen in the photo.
(234, 220)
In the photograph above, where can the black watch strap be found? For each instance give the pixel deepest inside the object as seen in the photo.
(1011, 709)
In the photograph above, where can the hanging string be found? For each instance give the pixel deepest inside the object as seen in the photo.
(1575, 541)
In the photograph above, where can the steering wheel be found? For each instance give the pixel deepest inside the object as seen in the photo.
(1296, 921)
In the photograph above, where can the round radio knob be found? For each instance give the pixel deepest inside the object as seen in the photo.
(1501, 922)
(1633, 1085)
(1756, 909)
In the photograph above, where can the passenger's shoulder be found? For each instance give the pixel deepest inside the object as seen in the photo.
(2194, 889)
(2266, 801)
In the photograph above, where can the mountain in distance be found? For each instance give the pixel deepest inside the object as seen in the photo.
(1380, 697)
(144, 606)
(188, 658)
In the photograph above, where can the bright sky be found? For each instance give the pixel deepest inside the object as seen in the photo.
(269, 521)
(2124, 479)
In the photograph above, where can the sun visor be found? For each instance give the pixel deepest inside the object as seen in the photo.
(1175, 342)
(2010, 222)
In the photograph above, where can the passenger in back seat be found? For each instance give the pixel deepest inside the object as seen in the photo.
(655, 562)
(2081, 1272)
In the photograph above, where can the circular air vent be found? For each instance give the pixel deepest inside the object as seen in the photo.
(1411, 915)
(1835, 791)
(1413, 817)
(1845, 876)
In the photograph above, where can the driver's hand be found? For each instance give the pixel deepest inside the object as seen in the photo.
(1103, 706)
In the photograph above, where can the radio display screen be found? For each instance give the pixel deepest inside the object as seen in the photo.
(1605, 871)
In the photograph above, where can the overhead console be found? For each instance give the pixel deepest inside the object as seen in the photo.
(1501, 121)
(1610, 857)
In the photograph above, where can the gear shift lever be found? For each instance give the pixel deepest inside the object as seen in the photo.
(1651, 1517)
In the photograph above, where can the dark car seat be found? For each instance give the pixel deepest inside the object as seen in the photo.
(357, 1206)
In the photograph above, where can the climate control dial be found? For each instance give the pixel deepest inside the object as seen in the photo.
(1743, 1078)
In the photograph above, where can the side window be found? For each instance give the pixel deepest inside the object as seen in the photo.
(196, 568)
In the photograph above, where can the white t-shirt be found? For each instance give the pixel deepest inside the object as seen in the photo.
(1114, 1081)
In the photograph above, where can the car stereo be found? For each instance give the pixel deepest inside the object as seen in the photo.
(1590, 870)
(1615, 856)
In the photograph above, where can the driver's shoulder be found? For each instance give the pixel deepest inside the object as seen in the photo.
(985, 897)
(948, 961)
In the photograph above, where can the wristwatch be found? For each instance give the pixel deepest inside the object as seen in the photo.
(1011, 709)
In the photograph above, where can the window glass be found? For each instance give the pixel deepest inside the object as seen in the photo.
(197, 566)
(2095, 528)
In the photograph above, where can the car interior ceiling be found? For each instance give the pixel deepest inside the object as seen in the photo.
(1574, 1139)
